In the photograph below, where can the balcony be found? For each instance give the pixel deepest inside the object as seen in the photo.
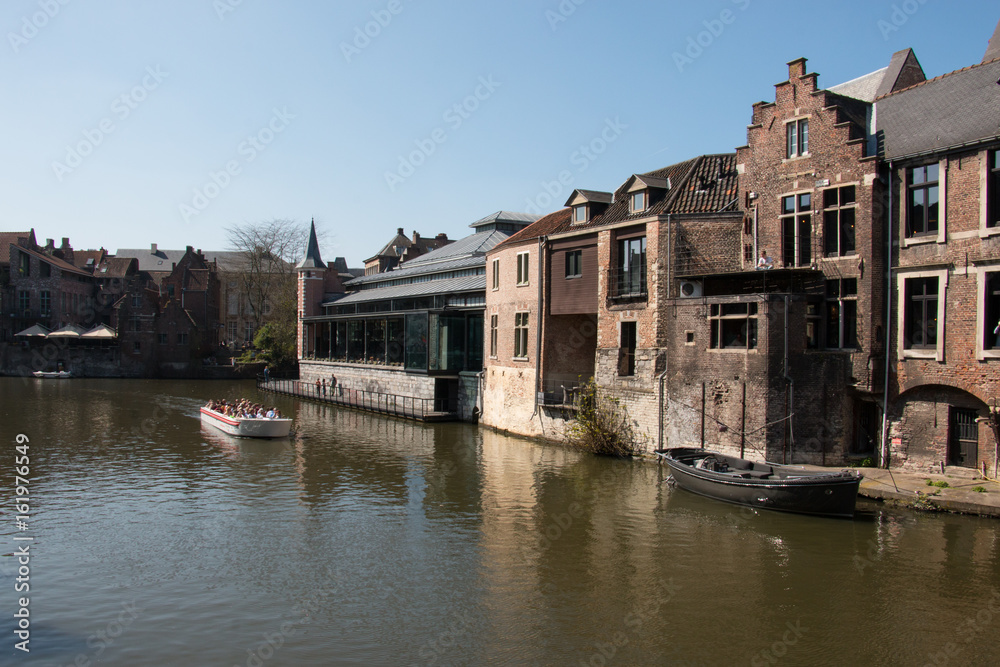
(627, 284)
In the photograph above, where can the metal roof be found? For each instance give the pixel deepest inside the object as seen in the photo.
(429, 288)
(864, 88)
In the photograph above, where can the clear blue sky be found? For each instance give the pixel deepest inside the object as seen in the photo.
(114, 113)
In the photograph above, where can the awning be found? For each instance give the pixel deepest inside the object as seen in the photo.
(68, 331)
(100, 332)
(34, 331)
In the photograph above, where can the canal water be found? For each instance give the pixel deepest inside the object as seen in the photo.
(365, 540)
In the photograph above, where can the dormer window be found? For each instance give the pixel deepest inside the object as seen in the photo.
(639, 200)
(645, 192)
(588, 205)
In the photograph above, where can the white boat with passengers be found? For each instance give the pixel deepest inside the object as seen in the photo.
(247, 427)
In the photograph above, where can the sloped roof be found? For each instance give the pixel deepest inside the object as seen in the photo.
(591, 196)
(68, 331)
(993, 48)
(705, 184)
(88, 259)
(552, 223)
(60, 264)
(505, 216)
(116, 267)
(957, 109)
(8, 239)
(864, 88)
(428, 288)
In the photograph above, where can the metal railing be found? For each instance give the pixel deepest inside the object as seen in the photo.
(561, 393)
(627, 284)
(409, 407)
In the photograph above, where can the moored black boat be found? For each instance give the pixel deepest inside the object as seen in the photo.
(764, 485)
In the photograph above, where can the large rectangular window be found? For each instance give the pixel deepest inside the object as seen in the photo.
(24, 303)
(839, 212)
(733, 326)
(630, 268)
(44, 270)
(991, 334)
(921, 314)
(922, 200)
(797, 138)
(521, 335)
(494, 328)
(574, 263)
(45, 302)
(993, 190)
(522, 268)
(626, 350)
(24, 268)
(796, 230)
(842, 314)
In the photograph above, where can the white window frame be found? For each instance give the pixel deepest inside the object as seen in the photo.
(523, 269)
(494, 335)
(577, 210)
(982, 354)
(645, 201)
(796, 123)
(496, 274)
(902, 276)
(984, 188)
(517, 328)
(904, 206)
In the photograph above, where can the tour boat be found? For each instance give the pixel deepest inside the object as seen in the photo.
(247, 428)
(52, 375)
(764, 485)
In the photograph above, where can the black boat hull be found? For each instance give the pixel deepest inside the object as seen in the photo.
(821, 493)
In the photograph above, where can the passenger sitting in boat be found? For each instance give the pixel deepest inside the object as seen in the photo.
(270, 414)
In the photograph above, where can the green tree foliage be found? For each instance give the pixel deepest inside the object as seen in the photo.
(603, 426)
(275, 342)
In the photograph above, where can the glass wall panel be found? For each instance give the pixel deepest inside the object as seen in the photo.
(395, 337)
(340, 341)
(416, 341)
(375, 341)
(356, 341)
(474, 347)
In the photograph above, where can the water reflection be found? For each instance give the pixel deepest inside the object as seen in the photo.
(381, 541)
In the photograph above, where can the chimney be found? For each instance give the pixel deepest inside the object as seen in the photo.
(797, 69)
(50, 244)
(65, 244)
(399, 231)
(442, 237)
(152, 248)
(190, 249)
(416, 236)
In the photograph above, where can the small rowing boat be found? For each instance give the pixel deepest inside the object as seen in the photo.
(765, 485)
(262, 427)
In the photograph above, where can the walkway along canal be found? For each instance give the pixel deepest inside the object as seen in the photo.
(409, 407)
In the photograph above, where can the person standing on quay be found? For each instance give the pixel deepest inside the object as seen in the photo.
(317, 386)
(324, 387)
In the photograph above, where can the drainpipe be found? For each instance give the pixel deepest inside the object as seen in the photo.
(756, 252)
(542, 240)
(886, 451)
(789, 395)
(660, 378)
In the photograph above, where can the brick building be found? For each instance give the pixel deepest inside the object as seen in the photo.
(941, 148)
(400, 249)
(608, 264)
